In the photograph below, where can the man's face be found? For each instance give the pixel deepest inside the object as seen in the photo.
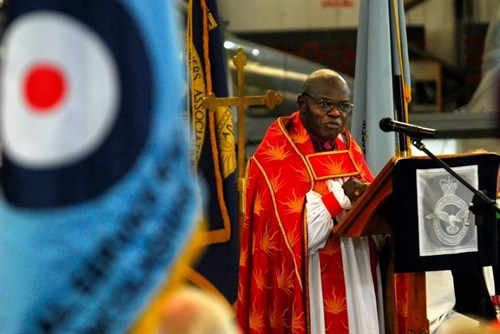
(323, 112)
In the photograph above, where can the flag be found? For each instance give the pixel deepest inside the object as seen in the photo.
(98, 199)
(381, 56)
(382, 89)
(213, 151)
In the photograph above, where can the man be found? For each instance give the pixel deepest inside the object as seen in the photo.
(295, 275)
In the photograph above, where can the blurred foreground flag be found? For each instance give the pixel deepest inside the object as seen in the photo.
(98, 200)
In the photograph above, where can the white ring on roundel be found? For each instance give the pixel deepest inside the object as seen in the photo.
(83, 119)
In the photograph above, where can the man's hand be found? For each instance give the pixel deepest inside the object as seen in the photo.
(353, 188)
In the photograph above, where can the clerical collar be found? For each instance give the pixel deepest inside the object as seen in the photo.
(319, 143)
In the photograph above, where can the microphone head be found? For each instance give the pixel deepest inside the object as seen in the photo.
(385, 124)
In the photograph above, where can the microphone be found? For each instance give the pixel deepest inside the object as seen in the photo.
(387, 124)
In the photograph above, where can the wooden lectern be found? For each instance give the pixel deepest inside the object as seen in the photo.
(372, 215)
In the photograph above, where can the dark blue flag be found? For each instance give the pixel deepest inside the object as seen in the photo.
(213, 151)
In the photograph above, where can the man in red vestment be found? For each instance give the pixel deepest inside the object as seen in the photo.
(295, 275)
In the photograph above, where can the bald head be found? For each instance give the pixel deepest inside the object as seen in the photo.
(320, 81)
(194, 311)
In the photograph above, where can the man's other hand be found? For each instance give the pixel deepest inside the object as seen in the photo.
(353, 188)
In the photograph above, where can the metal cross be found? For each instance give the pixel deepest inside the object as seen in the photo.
(271, 99)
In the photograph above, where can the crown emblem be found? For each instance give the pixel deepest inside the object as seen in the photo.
(448, 186)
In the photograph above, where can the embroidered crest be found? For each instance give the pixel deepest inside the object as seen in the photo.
(450, 219)
(445, 224)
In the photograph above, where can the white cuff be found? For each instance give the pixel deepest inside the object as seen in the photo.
(337, 190)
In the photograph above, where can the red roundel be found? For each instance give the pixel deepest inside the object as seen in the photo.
(77, 100)
(44, 87)
(63, 91)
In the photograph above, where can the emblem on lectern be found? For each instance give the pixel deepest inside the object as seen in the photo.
(445, 224)
(450, 219)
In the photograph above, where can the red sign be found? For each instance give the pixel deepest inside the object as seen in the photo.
(336, 3)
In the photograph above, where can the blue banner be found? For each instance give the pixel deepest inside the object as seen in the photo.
(381, 54)
(98, 197)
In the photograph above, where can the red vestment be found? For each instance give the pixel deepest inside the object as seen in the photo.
(273, 281)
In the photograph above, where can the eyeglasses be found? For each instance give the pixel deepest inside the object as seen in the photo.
(327, 105)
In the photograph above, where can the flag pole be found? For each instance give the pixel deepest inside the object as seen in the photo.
(399, 105)
(401, 81)
(415, 282)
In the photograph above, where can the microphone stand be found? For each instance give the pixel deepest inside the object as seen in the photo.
(480, 201)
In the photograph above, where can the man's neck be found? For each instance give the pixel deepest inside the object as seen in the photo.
(320, 144)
